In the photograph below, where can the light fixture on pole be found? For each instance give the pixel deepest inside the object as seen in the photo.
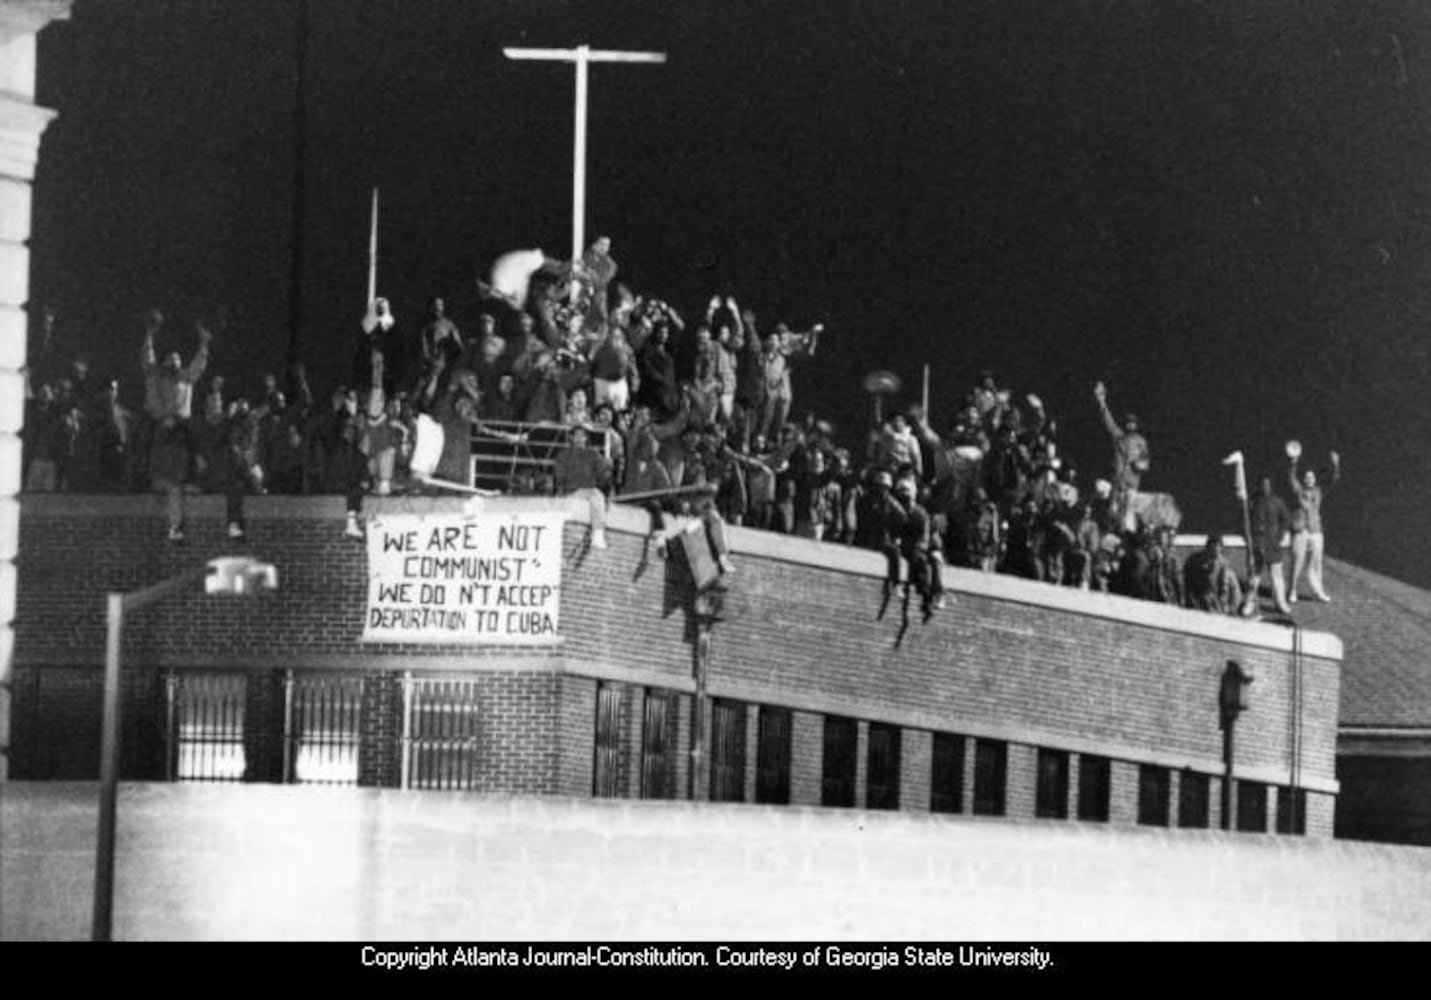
(1231, 702)
(880, 384)
(583, 56)
(239, 575)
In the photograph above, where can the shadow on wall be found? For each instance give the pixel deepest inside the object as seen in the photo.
(245, 862)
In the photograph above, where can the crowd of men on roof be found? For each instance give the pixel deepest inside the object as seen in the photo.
(679, 402)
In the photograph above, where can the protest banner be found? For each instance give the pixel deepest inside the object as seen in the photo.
(488, 579)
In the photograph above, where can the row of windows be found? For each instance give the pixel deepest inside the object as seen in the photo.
(838, 772)
(1194, 802)
(217, 730)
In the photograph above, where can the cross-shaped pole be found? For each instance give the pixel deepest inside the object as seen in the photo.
(583, 56)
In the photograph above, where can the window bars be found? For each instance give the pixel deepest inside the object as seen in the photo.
(308, 728)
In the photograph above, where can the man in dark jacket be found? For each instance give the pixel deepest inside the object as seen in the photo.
(657, 374)
(583, 471)
(1271, 521)
(919, 545)
(1210, 582)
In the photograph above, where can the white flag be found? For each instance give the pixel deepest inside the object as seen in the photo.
(1240, 483)
(512, 274)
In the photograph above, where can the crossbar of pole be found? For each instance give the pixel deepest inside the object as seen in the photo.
(592, 55)
(136, 599)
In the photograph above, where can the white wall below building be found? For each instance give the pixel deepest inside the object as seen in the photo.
(249, 862)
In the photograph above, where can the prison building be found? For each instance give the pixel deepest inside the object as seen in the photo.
(584, 672)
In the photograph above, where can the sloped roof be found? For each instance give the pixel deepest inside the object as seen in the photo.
(1385, 628)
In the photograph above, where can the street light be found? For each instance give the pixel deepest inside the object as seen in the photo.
(1231, 702)
(238, 575)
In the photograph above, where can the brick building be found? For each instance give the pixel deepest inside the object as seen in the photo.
(1019, 699)
(1384, 729)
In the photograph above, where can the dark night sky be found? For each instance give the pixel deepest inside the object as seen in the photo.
(1222, 209)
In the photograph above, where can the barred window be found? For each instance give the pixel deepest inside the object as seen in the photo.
(946, 792)
(772, 762)
(1251, 807)
(606, 773)
(991, 761)
(658, 747)
(1154, 794)
(882, 773)
(727, 751)
(1193, 799)
(206, 726)
(837, 784)
(443, 735)
(1051, 793)
(1292, 810)
(1095, 787)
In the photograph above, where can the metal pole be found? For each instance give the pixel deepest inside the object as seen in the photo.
(300, 156)
(1247, 540)
(171, 726)
(289, 763)
(1229, 801)
(108, 772)
(405, 777)
(673, 491)
(926, 395)
(373, 251)
(698, 779)
(582, 56)
(1294, 812)
(578, 168)
(116, 604)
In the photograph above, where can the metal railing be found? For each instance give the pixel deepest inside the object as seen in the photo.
(516, 457)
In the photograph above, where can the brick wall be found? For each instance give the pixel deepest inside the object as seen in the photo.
(807, 739)
(1010, 660)
(577, 729)
(916, 757)
(380, 753)
(1123, 801)
(1020, 671)
(1022, 777)
(750, 784)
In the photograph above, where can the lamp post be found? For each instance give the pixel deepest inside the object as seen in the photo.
(708, 609)
(238, 575)
(1231, 698)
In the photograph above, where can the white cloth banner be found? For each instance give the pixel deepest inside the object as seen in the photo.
(484, 579)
